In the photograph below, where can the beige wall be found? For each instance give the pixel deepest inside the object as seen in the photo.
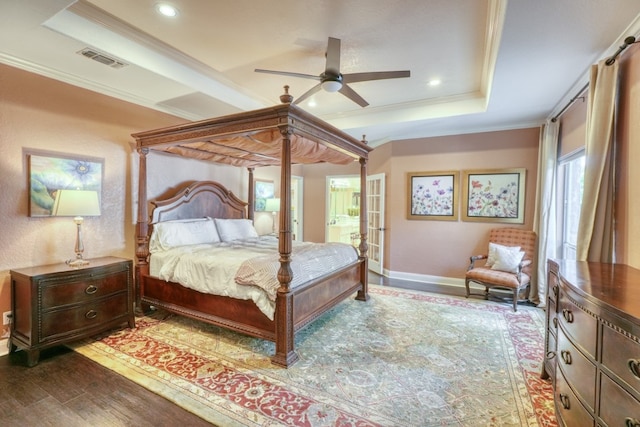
(43, 114)
(627, 206)
(421, 249)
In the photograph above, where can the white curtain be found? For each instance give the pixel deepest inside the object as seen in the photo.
(544, 221)
(595, 229)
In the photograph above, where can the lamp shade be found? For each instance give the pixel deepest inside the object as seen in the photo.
(272, 205)
(76, 203)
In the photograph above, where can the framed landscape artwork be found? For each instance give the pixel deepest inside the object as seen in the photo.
(432, 195)
(494, 195)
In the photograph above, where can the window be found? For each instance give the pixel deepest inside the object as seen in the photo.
(571, 186)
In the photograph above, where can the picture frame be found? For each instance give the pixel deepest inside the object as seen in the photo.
(494, 195)
(263, 190)
(49, 172)
(433, 195)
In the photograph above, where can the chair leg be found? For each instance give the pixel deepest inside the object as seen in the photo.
(486, 292)
(515, 300)
(466, 284)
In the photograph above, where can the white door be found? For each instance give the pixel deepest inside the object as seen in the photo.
(296, 208)
(375, 221)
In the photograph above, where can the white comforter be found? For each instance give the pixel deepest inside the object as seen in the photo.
(247, 269)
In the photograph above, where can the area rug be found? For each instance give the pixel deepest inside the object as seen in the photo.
(404, 358)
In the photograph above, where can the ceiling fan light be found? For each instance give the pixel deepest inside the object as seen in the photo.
(331, 85)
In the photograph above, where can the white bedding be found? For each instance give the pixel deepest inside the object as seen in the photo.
(247, 269)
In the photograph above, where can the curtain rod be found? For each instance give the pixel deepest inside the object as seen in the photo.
(627, 42)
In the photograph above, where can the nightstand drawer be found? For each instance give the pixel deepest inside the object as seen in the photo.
(56, 324)
(87, 288)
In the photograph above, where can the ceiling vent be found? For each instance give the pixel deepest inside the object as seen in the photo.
(101, 58)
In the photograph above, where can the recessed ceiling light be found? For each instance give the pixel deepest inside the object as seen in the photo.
(434, 82)
(167, 10)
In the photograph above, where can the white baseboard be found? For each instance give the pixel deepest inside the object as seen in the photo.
(4, 349)
(429, 279)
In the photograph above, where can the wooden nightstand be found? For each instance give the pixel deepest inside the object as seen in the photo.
(55, 304)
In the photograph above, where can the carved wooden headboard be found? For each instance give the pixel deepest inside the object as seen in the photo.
(198, 200)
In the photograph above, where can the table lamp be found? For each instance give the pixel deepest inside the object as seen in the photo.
(78, 204)
(273, 206)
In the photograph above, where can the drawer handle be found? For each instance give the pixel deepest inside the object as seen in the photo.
(634, 367)
(555, 322)
(551, 354)
(555, 291)
(91, 314)
(566, 356)
(564, 400)
(567, 314)
(631, 422)
(91, 289)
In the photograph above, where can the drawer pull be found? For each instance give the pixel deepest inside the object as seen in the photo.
(567, 314)
(631, 422)
(564, 400)
(555, 291)
(634, 367)
(91, 289)
(91, 314)
(555, 322)
(551, 354)
(566, 356)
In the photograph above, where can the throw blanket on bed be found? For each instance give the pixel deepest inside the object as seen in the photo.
(237, 269)
(308, 261)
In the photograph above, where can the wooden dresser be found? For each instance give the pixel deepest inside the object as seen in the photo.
(593, 343)
(55, 304)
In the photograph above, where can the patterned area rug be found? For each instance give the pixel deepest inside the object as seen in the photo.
(403, 358)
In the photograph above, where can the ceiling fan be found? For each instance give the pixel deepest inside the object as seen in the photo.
(332, 80)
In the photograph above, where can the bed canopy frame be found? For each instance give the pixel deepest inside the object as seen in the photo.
(281, 135)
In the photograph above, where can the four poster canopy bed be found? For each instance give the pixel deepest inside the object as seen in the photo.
(299, 289)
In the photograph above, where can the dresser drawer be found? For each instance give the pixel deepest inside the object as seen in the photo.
(578, 324)
(579, 371)
(617, 407)
(70, 321)
(622, 356)
(568, 407)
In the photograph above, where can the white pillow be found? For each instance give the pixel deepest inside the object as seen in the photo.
(491, 257)
(170, 234)
(507, 260)
(235, 229)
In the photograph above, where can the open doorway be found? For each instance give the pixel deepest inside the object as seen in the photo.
(343, 209)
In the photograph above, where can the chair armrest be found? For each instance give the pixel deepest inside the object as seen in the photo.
(475, 258)
(522, 265)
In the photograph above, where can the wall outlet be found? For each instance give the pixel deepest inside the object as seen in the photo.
(6, 318)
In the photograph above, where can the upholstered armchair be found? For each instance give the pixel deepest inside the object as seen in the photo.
(507, 264)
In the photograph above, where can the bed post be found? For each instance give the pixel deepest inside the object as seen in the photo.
(285, 353)
(142, 229)
(363, 294)
(252, 196)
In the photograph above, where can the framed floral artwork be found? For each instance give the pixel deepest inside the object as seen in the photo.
(51, 172)
(432, 195)
(263, 190)
(494, 195)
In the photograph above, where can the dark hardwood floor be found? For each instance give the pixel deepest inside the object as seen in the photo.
(67, 389)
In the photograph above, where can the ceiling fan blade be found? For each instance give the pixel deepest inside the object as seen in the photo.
(352, 95)
(376, 75)
(333, 56)
(308, 93)
(287, 73)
